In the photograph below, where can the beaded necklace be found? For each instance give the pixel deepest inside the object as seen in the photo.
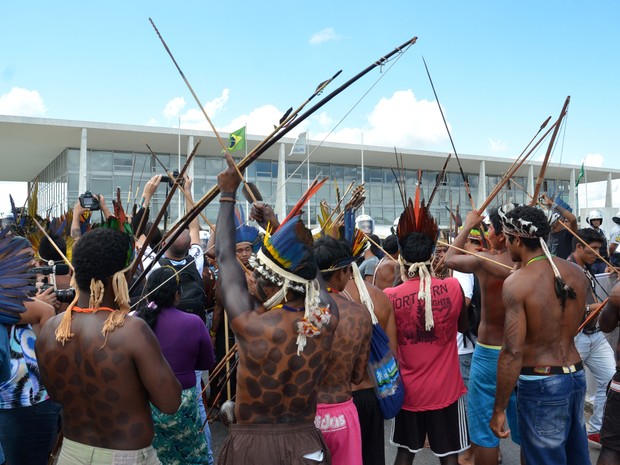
(535, 259)
(92, 310)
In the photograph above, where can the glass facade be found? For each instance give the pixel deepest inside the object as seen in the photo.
(59, 181)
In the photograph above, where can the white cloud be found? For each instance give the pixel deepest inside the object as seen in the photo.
(594, 160)
(400, 120)
(497, 146)
(323, 119)
(323, 36)
(259, 121)
(22, 102)
(194, 118)
(174, 107)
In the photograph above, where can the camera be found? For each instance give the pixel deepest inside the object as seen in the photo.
(170, 180)
(58, 269)
(63, 296)
(89, 201)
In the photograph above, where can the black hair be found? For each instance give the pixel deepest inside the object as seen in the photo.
(155, 242)
(374, 249)
(329, 251)
(587, 235)
(161, 289)
(47, 250)
(99, 254)
(537, 218)
(390, 244)
(417, 247)
(496, 220)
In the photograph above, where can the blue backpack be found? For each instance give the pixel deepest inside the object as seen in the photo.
(384, 374)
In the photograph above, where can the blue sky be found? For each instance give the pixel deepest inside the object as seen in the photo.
(500, 68)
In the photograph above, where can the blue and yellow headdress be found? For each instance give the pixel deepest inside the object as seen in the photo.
(16, 280)
(285, 259)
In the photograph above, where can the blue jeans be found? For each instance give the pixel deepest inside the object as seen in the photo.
(28, 434)
(203, 416)
(551, 419)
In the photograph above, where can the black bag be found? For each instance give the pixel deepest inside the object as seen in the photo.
(191, 287)
(473, 314)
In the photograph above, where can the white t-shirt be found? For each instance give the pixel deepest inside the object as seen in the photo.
(466, 280)
(195, 250)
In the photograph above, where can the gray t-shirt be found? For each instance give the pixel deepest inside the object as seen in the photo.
(367, 268)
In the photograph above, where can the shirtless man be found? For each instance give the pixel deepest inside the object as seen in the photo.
(364, 396)
(386, 271)
(336, 414)
(482, 379)
(610, 431)
(545, 302)
(281, 361)
(105, 367)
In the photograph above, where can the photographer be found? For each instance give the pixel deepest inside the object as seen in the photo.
(57, 276)
(87, 203)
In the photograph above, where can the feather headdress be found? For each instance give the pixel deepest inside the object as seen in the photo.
(285, 259)
(16, 281)
(246, 234)
(513, 224)
(417, 219)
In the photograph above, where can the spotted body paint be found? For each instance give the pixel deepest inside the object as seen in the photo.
(105, 391)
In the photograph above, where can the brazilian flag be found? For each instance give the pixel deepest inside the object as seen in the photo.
(236, 140)
(582, 173)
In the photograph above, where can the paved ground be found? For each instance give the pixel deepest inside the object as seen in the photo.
(510, 450)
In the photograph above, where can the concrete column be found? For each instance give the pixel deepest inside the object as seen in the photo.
(482, 183)
(608, 192)
(83, 173)
(281, 197)
(572, 193)
(530, 180)
(190, 168)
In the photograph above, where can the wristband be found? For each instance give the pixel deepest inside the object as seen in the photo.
(227, 197)
(212, 333)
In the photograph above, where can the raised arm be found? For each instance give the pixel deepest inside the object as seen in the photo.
(458, 260)
(559, 207)
(511, 356)
(76, 230)
(235, 296)
(194, 225)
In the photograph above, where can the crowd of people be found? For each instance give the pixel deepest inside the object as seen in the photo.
(305, 343)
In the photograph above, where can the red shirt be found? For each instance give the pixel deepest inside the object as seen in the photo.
(429, 360)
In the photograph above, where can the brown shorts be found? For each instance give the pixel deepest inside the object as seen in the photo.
(279, 444)
(610, 431)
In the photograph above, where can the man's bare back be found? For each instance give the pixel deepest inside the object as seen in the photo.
(105, 391)
(491, 277)
(550, 330)
(386, 273)
(348, 360)
(274, 384)
(385, 316)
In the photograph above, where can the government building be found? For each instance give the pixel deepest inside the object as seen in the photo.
(68, 158)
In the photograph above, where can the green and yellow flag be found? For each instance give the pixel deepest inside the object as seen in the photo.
(582, 173)
(236, 140)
